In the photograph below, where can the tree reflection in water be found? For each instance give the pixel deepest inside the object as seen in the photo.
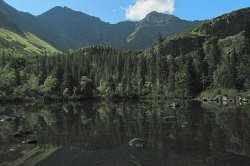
(99, 132)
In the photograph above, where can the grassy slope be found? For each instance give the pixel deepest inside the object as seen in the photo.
(29, 42)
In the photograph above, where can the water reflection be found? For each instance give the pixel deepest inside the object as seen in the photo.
(97, 133)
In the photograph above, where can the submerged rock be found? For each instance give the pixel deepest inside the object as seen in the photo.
(204, 99)
(217, 98)
(210, 99)
(224, 103)
(5, 119)
(242, 100)
(12, 150)
(245, 100)
(233, 144)
(175, 105)
(239, 99)
(30, 142)
(169, 118)
(225, 98)
(234, 140)
(137, 143)
(23, 133)
(185, 124)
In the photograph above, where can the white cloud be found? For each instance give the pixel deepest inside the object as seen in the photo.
(142, 7)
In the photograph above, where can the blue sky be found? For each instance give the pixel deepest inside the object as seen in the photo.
(114, 11)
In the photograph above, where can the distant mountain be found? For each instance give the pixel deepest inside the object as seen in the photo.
(75, 29)
(22, 31)
(26, 43)
(147, 30)
(24, 21)
(227, 24)
(66, 29)
(220, 35)
(214, 57)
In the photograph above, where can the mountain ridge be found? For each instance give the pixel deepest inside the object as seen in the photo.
(67, 29)
(155, 23)
(211, 60)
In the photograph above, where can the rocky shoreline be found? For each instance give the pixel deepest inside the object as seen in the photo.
(225, 99)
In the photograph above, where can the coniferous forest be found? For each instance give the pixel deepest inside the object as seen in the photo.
(75, 90)
(205, 60)
(159, 71)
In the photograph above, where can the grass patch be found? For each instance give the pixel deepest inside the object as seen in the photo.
(245, 94)
(37, 41)
(29, 43)
(219, 91)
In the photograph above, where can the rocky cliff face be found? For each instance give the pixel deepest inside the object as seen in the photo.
(223, 35)
(226, 25)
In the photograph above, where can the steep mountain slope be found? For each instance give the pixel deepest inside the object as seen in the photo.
(66, 29)
(26, 42)
(73, 29)
(24, 21)
(147, 30)
(226, 25)
(76, 29)
(120, 32)
(219, 51)
(7, 24)
(232, 24)
(21, 31)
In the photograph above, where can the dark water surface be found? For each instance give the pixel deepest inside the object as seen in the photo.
(98, 133)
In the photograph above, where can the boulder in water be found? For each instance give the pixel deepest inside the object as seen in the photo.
(137, 143)
(245, 100)
(204, 99)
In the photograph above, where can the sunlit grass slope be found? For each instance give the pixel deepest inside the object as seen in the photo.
(29, 42)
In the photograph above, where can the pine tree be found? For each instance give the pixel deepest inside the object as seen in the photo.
(171, 76)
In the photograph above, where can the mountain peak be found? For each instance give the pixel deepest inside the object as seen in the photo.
(63, 12)
(59, 10)
(157, 15)
(154, 13)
